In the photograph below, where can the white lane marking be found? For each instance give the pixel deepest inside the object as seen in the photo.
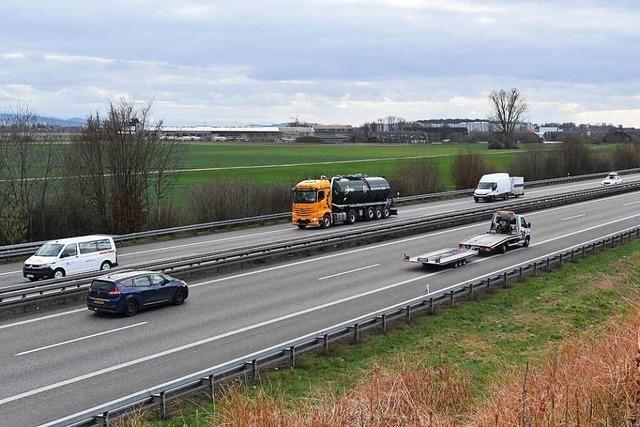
(586, 229)
(264, 323)
(37, 319)
(631, 203)
(81, 338)
(11, 272)
(573, 217)
(166, 248)
(350, 271)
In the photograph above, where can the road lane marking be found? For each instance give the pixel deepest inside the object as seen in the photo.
(316, 333)
(348, 272)
(631, 203)
(81, 338)
(11, 272)
(573, 217)
(37, 319)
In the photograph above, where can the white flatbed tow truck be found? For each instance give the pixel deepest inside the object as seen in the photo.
(507, 229)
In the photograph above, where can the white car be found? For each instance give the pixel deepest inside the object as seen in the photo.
(59, 258)
(612, 179)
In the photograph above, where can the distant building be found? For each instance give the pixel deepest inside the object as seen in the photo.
(402, 137)
(333, 133)
(249, 134)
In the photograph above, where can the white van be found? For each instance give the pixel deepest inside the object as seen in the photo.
(498, 185)
(58, 258)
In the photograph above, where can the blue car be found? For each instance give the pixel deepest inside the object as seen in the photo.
(131, 291)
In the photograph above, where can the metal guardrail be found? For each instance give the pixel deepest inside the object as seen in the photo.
(29, 248)
(30, 292)
(286, 352)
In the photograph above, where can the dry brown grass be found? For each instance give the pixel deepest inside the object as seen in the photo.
(589, 381)
(593, 381)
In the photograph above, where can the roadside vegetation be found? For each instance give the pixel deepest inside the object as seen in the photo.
(560, 349)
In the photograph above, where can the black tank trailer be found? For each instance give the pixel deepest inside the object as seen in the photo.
(361, 197)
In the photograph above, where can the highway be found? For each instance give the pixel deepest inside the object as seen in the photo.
(69, 360)
(11, 274)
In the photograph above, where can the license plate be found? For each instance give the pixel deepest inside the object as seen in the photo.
(98, 302)
(29, 275)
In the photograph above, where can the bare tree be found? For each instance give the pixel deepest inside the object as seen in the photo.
(27, 163)
(120, 163)
(508, 109)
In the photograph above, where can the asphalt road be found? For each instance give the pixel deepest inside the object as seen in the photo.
(65, 361)
(11, 274)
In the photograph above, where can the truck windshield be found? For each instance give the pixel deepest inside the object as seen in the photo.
(49, 249)
(487, 185)
(304, 196)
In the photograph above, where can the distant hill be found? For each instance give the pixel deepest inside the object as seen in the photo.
(51, 121)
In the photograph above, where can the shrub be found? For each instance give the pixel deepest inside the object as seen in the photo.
(467, 168)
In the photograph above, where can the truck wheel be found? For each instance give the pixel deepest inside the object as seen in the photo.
(302, 226)
(526, 242)
(386, 212)
(352, 216)
(378, 212)
(326, 222)
(370, 213)
(502, 249)
(476, 199)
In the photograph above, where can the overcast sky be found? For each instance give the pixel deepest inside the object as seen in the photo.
(330, 61)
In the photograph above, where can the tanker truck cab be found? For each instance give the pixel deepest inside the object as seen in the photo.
(312, 203)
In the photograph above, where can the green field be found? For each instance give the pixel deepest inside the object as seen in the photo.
(368, 159)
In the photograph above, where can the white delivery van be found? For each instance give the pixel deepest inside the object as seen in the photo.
(59, 258)
(498, 186)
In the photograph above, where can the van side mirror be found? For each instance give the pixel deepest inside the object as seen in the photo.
(528, 225)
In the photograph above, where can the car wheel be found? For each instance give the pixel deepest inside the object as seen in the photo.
(352, 216)
(476, 199)
(105, 266)
(58, 274)
(326, 222)
(502, 249)
(32, 279)
(131, 308)
(178, 299)
(378, 212)
(526, 242)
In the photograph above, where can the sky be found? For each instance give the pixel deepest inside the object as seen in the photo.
(327, 61)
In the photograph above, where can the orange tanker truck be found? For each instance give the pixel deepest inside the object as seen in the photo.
(341, 199)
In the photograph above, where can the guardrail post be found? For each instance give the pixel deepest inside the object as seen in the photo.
(383, 319)
(613, 241)
(162, 403)
(103, 420)
(504, 279)
(548, 264)
(520, 273)
(561, 257)
(211, 380)
(292, 356)
(430, 305)
(535, 268)
(408, 313)
(254, 369)
(572, 250)
(488, 284)
(356, 333)
(594, 248)
(325, 345)
(452, 299)
(583, 249)
(470, 290)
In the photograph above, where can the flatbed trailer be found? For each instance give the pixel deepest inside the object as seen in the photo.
(448, 257)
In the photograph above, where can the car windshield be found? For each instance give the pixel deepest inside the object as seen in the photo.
(486, 185)
(49, 249)
(304, 196)
(612, 176)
